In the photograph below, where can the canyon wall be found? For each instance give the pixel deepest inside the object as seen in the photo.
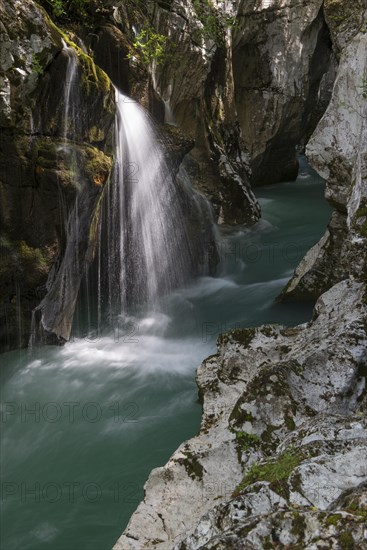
(284, 409)
(43, 253)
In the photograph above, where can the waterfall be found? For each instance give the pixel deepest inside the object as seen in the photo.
(154, 254)
(149, 234)
(57, 307)
(69, 92)
(155, 232)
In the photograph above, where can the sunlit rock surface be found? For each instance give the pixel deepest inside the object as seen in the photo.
(338, 151)
(293, 398)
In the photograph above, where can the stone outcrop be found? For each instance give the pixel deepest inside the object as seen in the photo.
(284, 69)
(43, 254)
(283, 419)
(338, 151)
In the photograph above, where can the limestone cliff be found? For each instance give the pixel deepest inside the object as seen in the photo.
(283, 420)
(43, 253)
(189, 84)
(284, 69)
(338, 151)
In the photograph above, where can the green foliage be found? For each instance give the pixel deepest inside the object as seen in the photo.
(247, 440)
(36, 65)
(58, 7)
(149, 46)
(333, 519)
(273, 471)
(214, 23)
(346, 541)
(67, 9)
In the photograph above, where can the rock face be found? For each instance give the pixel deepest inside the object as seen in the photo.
(195, 83)
(284, 70)
(338, 151)
(282, 422)
(43, 254)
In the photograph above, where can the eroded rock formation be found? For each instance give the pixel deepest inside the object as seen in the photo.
(43, 252)
(283, 415)
(338, 151)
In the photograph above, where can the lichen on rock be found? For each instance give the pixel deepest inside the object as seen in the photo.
(283, 416)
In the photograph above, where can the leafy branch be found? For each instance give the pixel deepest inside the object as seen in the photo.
(149, 46)
(214, 23)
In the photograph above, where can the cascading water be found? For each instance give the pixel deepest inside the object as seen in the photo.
(149, 241)
(63, 282)
(70, 103)
(84, 424)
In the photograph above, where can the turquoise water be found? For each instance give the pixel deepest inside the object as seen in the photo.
(108, 409)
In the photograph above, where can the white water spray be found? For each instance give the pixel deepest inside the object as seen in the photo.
(148, 215)
(69, 104)
(153, 249)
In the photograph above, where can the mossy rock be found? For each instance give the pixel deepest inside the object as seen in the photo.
(361, 220)
(243, 336)
(276, 471)
(97, 166)
(24, 263)
(192, 466)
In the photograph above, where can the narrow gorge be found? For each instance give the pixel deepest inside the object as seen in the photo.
(183, 306)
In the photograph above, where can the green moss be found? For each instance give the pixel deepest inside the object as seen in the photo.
(268, 331)
(46, 162)
(346, 541)
(97, 165)
(285, 349)
(362, 213)
(36, 65)
(243, 336)
(55, 32)
(19, 260)
(340, 12)
(333, 519)
(275, 471)
(96, 134)
(92, 74)
(353, 507)
(239, 416)
(298, 526)
(267, 436)
(193, 467)
(289, 422)
(247, 440)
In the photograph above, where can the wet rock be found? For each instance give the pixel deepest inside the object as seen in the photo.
(39, 188)
(284, 70)
(337, 150)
